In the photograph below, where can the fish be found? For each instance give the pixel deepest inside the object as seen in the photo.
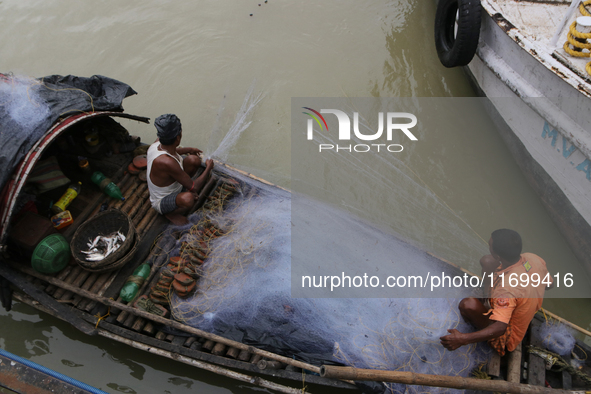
(95, 257)
(111, 246)
(103, 245)
(94, 242)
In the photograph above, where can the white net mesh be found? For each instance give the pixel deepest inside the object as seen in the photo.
(245, 293)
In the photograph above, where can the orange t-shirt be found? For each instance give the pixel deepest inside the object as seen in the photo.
(516, 305)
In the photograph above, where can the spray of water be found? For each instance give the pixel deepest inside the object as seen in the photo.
(215, 136)
(240, 124)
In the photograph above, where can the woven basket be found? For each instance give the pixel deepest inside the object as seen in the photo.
(104, 223)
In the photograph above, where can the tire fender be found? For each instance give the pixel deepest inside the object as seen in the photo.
(456, 44)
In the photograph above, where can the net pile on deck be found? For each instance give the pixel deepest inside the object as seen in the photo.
(244, 293)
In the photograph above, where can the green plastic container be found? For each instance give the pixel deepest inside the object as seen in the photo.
(51, 255)
(108, 187)
(133, 283)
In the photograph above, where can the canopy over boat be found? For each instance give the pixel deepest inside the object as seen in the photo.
(35, 111)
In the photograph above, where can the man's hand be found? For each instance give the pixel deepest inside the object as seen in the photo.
(194, 192)
(192, 151)
(454, 340)
(202, 179)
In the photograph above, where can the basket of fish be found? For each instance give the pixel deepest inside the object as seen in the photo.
(105, 242)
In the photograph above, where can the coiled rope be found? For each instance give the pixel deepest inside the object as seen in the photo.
(573, 34)
(583, 8)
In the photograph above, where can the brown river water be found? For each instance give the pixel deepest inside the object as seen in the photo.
(198, 59)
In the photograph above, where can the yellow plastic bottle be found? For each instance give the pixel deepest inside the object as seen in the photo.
(67, 197)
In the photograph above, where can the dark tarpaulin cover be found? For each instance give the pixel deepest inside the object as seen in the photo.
(29, 107)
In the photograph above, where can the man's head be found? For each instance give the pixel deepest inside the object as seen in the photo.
(168, 127)
(506, 244)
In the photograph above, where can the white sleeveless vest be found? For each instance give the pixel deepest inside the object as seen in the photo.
(157, 193)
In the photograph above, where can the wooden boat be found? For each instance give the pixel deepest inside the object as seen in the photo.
(77, 295)
(90, 300)
(540, 95)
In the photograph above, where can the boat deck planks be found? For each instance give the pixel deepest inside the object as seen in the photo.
(536, 372)
(514, 365)
(494, 366)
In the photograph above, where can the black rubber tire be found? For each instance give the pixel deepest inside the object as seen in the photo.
(458, 50)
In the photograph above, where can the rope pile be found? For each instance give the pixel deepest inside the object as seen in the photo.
(214, 220)
(577, 44)
(234, 251)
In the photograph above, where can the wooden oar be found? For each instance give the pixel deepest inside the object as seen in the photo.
(421, 379)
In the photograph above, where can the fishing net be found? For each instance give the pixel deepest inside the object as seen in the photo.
(244, 293)
(557, 338)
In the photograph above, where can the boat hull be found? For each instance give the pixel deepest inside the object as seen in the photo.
(541, 113)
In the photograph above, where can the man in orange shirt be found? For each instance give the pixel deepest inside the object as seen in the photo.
(503, 319)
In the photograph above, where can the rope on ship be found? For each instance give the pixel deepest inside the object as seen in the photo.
(583, 8)
(576, 41)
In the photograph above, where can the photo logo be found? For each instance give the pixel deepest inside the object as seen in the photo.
(392, 120)
(310, 135)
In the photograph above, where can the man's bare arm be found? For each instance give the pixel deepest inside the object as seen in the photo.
(188, 151)
(200, 181)
(171, 167)
(455, 339)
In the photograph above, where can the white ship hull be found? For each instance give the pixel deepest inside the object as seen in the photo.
(541, 102)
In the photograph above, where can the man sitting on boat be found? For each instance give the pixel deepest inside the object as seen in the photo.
(503, 319)
(169, 175)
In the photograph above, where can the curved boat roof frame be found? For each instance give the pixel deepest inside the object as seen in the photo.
(12, 189)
